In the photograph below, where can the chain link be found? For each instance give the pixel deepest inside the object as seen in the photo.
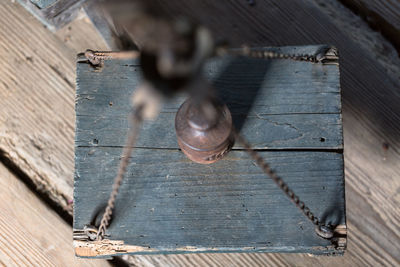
(324, 231)
(321, 229)
(275, 55)
(136, 118)
(325, 55)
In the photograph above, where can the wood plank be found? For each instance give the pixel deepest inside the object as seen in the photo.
(53, 14)
(299, 131)
(383, 16)
(260, 94)
(37, 102)
(361, 77)
(229, 206)
(31, 234)
(370, 109)
(364, 139)
(80, 35)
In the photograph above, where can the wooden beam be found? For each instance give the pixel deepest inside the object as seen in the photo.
(30, 232)
(54, 14)
(37, 101)
(382, 15)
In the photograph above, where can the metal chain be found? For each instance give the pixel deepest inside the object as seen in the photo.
(321, 229)
(274, 55)
(326, 55)
(324, 231)
(136, 118)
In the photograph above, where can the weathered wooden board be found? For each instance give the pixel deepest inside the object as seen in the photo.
(169, 204)
(31, 234)
(285, 114)
(43, 3)
(382, 15)
(37, 100)
(30, 131)
(53, 13)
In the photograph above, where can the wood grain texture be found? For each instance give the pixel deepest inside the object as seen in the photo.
(53, 14)
(177, 206)
(382, 15)
(169, 204)
(31, 234)
(372, 177)
(37, 102)
(271, 109)
(80, 35)
(370, 103)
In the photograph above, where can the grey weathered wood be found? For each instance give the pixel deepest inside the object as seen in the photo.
(312, 131)
(39, 139)
(43, 3)
(279, 113)
(53, 14)
(168, 204)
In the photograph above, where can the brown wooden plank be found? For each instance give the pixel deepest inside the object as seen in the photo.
(37, 101)
(366, 125)
(31, 234)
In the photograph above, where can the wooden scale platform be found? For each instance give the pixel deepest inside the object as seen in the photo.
(289, 111)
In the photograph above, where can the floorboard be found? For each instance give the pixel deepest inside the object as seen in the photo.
(37, 115)
(31, 234)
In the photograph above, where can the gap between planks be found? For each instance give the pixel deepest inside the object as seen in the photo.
(376, 186)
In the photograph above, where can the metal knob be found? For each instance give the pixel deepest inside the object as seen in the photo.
(204, 130)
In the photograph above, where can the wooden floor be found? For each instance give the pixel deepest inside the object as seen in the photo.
(37, 88)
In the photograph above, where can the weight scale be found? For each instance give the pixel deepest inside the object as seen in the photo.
(289, 112)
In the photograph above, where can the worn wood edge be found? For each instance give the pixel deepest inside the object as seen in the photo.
(322, 50)
(107, 248)
(28, 44)
(32, 234)
(358, 30)
(377, 18)
(40, 180)
(57, 21)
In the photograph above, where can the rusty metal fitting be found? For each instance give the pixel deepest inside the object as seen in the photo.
(204, 130)
(324, 231)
